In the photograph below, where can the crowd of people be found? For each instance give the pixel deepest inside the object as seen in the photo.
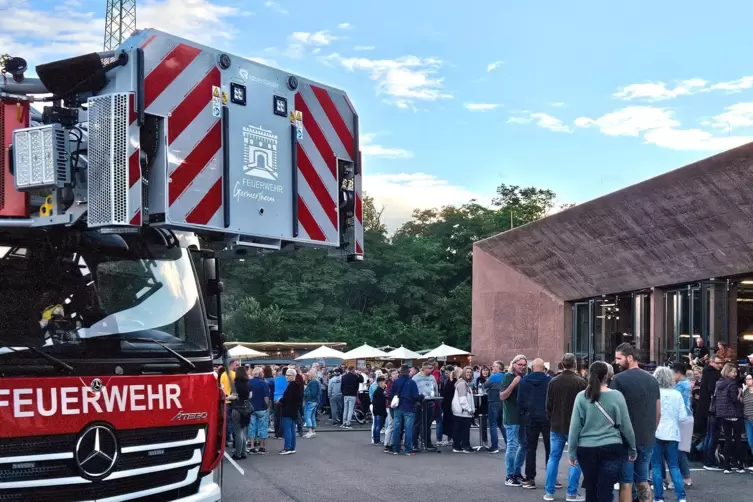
(620, 426)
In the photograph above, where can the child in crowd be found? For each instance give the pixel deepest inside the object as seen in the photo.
(379, 409)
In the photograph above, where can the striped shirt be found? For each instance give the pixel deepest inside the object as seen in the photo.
(748, 403)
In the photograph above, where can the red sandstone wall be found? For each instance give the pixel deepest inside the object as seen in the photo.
(513, 315)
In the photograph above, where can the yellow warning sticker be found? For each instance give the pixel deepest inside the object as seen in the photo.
(215, 91)
(224, 97)
(298, 115)
(292, 117)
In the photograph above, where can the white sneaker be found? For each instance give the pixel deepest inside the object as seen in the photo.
(575, 498)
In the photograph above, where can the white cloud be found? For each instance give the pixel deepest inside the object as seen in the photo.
(39, 35)
(658, 91)
(630, 121)
(493, 66)
(403, 81)
(300, 40)
(558, 104)
(371, 149)
(401, 193)
(199, 20)
(733, 85)
(737, 115)
(542, 120)
(364, 48)
(658, 126)
(345, 26)
(481, 107)
(276, 7)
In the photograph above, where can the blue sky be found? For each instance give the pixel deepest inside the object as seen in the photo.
(580, 97)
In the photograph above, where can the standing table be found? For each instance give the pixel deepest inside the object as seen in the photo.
(427, 404)
(482, 423)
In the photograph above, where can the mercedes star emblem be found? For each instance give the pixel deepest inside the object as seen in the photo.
(96, 385)
(96, 451)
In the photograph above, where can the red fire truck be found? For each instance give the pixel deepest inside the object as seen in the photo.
(142, 168)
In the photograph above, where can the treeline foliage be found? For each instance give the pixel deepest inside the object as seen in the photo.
(414, 288)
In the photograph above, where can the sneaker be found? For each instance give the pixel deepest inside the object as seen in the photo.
(548, 496)
(576, 498)
(712, 468)
(379, 443)
(284, 452)
(741, 470)
(388, 450)
(396, 453)
(252, 451)
(455, 450)
(529, 484)
(670, 486)
(682, 500)
(494, 450)
(727, 471)
(557, 485)
(512, 481)
(262, 451)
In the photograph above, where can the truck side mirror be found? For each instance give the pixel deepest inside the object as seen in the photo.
(212, 287)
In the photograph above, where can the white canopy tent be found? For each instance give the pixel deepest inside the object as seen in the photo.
(241, 351)
(445, 351)
(365, 351)
(403, 353)
(322, 352)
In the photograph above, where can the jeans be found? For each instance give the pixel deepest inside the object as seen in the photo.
(309, 412)
(734, 451)
(684, 463)
(557, 442)
(749, 433)
(666, 450)
(350, 408)
(403, 420)
(376, 427)
(461, 437)
(535, 428)
(239, 435)
(388, 428)
(258, 427)
(495, 422)
(228, 422)
(288, 432)
(636, 472)
(713, 426)
(515, 454)
(601, 467)
(336, 408)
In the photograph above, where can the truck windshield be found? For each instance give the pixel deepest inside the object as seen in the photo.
(74, 298)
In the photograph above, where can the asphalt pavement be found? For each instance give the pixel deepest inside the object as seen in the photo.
(343, 465)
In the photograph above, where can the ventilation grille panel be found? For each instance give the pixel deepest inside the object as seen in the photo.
(108, 160)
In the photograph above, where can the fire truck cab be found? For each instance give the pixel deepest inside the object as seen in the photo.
(142, 167)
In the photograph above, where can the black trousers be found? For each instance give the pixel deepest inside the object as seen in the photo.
(535, 428)
(601, 470)
(461, 436)
(278, 419)
(734, 450)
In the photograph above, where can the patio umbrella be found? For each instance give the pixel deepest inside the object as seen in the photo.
(445, 351)
(241, 351)
(365, 351)
(322, 352)
(403, 353)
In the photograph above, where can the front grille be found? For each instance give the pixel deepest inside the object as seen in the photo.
(154, 452)
(138, 437)
(92, 491)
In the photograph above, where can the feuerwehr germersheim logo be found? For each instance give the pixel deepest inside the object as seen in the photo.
(96, 451)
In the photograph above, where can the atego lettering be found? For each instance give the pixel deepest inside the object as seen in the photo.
(28, 403)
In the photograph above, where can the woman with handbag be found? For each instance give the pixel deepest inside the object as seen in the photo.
(601, 435)
(241, 412)
(463, 408)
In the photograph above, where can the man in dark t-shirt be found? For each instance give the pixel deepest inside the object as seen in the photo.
(700, 352)
(641, 391)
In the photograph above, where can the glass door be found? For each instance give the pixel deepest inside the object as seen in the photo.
(683, 311)
(583, 326)
(714, 312)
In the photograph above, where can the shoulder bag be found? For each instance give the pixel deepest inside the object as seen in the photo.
(609, 418)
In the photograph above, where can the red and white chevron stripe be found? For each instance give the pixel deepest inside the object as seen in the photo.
(134, 167)
(178, 85)
(328, 136)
